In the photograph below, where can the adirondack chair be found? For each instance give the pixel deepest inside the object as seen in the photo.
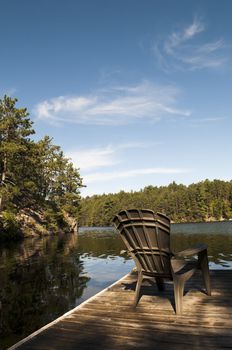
(147, 239)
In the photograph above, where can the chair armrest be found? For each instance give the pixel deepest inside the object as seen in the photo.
(194, 250)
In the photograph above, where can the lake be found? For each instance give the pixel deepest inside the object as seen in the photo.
(42, 278)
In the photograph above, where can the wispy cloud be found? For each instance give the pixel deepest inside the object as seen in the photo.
(201, 122)
(117, 105)
(182, 50)
(87, 159)
(108, 176)
(93, 158)
(208, 120)
(176, 39)
(104, 165)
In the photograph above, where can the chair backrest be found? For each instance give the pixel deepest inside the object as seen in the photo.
(147, 238)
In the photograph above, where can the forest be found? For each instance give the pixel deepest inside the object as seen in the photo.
(202, 201)
(39, 186)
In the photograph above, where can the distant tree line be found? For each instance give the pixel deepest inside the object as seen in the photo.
(33, 175)
(203, 201)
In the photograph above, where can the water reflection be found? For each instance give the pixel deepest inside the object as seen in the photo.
(42, 279)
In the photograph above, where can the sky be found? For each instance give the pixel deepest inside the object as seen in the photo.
(136, 92)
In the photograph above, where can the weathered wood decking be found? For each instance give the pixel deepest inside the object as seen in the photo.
(107, 321)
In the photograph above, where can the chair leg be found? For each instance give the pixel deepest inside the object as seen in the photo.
(204, 266)
(160, 283)
(178, 294)
(137, 290)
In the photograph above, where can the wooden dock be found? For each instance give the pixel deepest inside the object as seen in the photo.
(107, 320)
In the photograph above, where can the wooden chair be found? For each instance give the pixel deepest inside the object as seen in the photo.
(147, 238)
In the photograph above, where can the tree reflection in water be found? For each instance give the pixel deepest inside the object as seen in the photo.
(40, 280)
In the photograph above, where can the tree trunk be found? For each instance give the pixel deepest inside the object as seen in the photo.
(3, 178)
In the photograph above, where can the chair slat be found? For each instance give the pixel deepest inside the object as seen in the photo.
(147, 235)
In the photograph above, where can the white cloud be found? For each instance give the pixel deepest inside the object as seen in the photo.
(208, 120)
(117, 105)
(108, 176)
(93, 158)
(94, 164)
(181, 51)
(201, 122)
(176, 39)
(87, 159)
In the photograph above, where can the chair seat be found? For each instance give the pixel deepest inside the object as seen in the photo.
(181, 267)
(194, 250)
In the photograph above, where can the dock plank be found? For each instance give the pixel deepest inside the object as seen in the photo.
(108, 321)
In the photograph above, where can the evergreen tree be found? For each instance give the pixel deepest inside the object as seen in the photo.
(203, 201)
(15, 127)
(33, 175)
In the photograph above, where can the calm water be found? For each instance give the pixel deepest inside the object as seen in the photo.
(40, 279)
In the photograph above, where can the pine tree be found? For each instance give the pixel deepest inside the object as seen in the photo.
(15, 127)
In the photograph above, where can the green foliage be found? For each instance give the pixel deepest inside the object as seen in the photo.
(34, 175)
(9, 226)
(54, 219)
(58, 180)
(203, 201)
(15, 127)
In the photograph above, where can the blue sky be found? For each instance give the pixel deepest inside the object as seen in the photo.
(136, 93)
